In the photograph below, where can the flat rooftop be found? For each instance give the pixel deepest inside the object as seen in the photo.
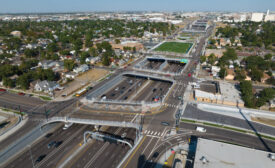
(221, 155)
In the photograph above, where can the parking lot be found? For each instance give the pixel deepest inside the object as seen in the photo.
(132, 88)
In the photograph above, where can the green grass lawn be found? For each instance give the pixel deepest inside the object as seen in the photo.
(176, 47)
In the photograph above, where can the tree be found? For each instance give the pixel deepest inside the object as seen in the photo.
(268, 56)
(8, 82)
(77, 44)
(222, 73)
(256, 74)
(202, 58)
(117, 41)
(265, 95)
(271, 81)
(240, 75)
(230, 54)
(247, 94)
(212, 59)
(93, 52)
(83, 57)
(106, 59)
(69, 64)
(23, 81)
(52, 47)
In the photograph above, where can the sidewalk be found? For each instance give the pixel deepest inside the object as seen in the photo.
(10, 130)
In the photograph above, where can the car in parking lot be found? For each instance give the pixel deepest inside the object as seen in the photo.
(41, 157)
(154, 89)
(51, 144)
(113, 95)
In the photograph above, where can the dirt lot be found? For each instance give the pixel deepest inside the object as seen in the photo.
(266, 121)
(81, 81)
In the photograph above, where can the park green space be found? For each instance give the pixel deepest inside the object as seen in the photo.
(177, 47)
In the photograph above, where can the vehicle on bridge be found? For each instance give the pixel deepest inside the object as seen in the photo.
(67, 125)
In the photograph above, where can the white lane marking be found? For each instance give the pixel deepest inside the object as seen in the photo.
(147, 146)
(155, 133)
(162, 133)
(148, 132)
(134, 117)
(152, 132)
(159, 133)
(145, 131)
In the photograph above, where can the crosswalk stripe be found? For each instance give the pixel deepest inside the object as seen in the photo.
(145, 131)
(155, 133)
(148, 132)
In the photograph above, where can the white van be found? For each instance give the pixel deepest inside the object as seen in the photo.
(67, 125)
(200, 129)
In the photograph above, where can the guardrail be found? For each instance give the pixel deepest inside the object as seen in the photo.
(91, 122)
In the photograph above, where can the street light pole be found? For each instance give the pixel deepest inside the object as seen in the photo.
(31, 156)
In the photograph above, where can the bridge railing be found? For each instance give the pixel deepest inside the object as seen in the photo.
(91, 122)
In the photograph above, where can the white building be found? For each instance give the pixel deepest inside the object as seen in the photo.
(257, 17)
(269, 17)
(214, 154)
(46, 86)
(82, 68)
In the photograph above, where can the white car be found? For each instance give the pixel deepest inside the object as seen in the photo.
(200, 129)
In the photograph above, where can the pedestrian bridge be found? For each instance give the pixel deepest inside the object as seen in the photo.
(91, 122)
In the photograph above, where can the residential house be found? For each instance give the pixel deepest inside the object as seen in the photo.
(46, 86)
(230, 74)
(71, 75)
(264, 78)
(92, 60)
(81, 68)
(215, 70)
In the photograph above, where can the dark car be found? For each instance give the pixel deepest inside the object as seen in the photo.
(51, 144)
(125, 98)
(48, 135)
(57, 144)
(154, 89)
(165, 123)
(41, 157)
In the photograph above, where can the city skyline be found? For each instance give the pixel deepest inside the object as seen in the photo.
(51, 6)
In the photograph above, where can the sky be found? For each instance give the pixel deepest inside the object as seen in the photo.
(42, 6)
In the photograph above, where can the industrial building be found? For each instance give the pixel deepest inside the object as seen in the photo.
(213, 154)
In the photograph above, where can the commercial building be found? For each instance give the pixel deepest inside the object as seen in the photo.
(213, 154)
(257, 17)
(218, 92)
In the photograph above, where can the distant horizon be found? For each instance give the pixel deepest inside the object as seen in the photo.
(122, 11)
(80, 6)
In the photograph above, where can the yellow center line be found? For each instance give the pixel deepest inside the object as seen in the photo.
(134, 152)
